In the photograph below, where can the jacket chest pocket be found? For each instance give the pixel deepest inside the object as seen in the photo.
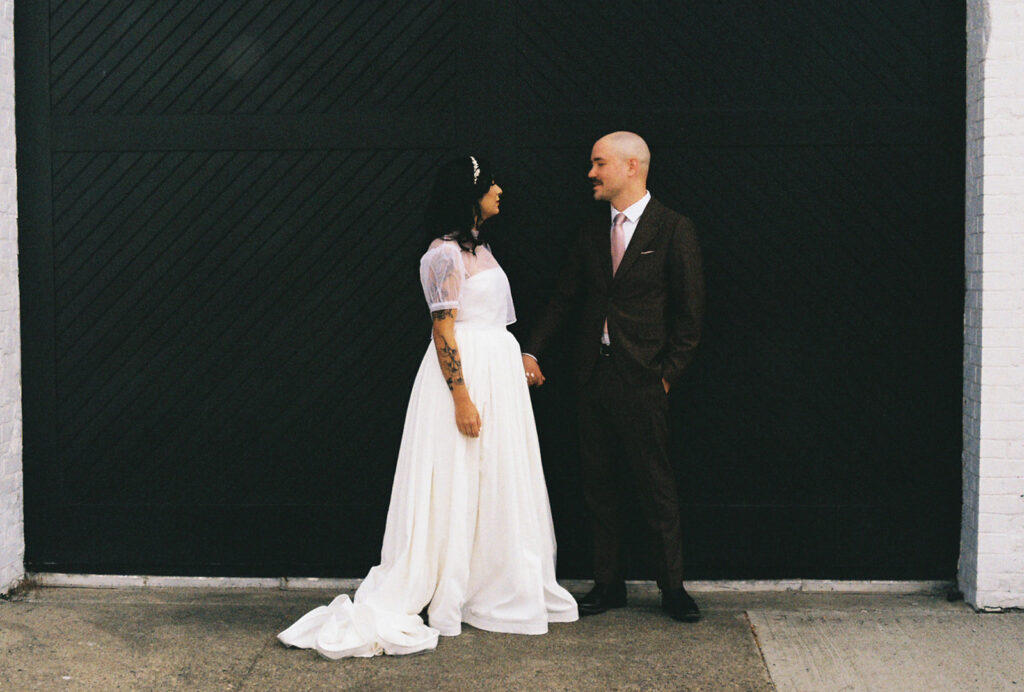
(647, 269)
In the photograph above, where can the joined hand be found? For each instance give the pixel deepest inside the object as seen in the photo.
(534, 376)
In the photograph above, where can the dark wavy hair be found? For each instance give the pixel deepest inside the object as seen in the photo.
(453, 209)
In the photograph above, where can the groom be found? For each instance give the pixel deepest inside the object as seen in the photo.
(636, 275)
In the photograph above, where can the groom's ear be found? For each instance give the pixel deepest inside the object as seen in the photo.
(632, 166)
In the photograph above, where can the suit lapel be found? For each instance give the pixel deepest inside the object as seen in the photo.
(644, 233)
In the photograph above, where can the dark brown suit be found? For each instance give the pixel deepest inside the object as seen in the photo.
(655, 306)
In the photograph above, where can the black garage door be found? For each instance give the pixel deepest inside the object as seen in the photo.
(220, 205)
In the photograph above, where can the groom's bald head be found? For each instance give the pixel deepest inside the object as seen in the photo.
(619, 165)
(629, 145)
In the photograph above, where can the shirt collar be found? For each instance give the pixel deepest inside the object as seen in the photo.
(634, 210)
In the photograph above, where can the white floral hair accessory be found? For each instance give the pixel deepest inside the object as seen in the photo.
(476, 169)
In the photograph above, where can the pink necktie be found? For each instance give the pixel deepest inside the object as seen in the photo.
(618, 250)
(618, 241)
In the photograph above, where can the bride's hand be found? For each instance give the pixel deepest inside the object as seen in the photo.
(467, 418)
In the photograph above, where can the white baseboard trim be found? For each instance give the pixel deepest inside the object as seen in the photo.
(119, 581)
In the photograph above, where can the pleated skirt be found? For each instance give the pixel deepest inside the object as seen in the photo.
(469, 527)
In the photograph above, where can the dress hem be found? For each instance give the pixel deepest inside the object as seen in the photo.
(505, 626)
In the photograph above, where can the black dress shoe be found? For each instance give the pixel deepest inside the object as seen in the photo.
(678, 604)
(601, 598)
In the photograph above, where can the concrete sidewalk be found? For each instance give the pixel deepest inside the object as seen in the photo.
(223, 639)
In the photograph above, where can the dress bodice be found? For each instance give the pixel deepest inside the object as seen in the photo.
(474, 285)
(486, 300)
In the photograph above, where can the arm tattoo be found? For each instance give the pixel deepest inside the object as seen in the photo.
(448, 355)
(451, 364)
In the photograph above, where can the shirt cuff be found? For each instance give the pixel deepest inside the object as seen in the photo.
(532, 356)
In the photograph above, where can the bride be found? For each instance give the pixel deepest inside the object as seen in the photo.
(469, 536)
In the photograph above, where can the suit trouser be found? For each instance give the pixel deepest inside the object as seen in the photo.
(624, 427)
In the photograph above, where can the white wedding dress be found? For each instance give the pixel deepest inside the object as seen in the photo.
(469, 528)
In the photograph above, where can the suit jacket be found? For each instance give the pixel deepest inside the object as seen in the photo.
(654, 303)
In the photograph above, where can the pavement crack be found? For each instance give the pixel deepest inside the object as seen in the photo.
(252, 666)
(760, 651)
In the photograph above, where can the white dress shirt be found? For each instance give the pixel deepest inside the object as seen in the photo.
(633, 213)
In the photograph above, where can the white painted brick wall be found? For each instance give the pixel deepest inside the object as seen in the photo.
(12, 534)
(991, 572)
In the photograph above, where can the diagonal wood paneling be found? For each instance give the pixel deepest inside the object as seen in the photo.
(232, 262)
(712, 55)
(123, 57)
(221, 242)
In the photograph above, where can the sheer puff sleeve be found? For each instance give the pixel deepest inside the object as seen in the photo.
(442, 273)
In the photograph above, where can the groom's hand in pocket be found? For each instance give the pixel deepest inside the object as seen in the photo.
(534, 376)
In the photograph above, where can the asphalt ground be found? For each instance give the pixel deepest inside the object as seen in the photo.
(224, 639)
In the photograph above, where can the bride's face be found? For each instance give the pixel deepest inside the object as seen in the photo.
(490, 203)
